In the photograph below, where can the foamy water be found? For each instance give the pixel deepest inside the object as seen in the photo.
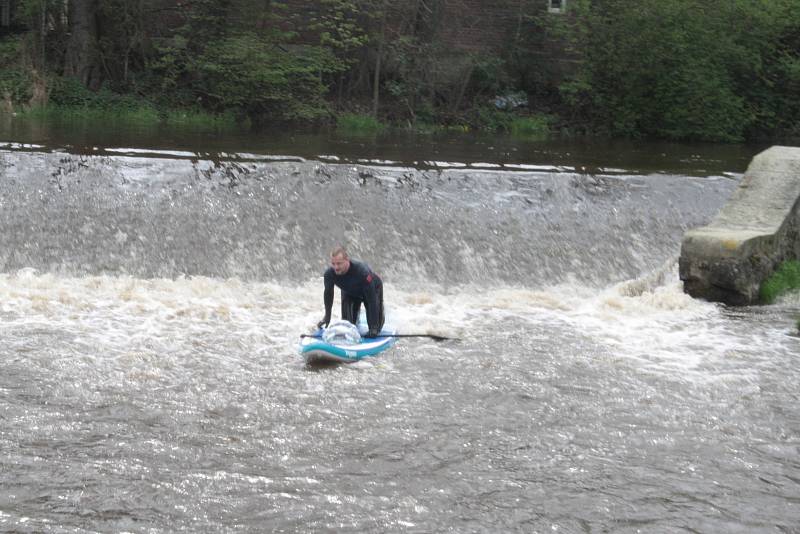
(183, 404)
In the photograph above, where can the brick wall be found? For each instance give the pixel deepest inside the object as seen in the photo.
(480, 26)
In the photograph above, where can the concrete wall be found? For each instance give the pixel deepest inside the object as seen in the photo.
(754, 232)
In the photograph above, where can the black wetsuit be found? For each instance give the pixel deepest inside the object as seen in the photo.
(359, 284)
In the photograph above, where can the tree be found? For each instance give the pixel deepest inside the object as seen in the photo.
(261, 80)
(678, 69)
(81, 57)
(125, 27)
(380, 39)
(233, 55)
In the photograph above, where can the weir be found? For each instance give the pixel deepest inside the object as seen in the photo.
(173, 216)
(752, 234)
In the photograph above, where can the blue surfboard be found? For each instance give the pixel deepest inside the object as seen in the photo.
(314, 349)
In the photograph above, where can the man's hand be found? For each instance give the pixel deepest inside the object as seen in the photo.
(372, 333)
(324, 323)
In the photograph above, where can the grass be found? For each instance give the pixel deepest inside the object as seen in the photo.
(140, 115)
(536, 127)
(786, 278)
(357, 124)
(201, 119)
(430, 128)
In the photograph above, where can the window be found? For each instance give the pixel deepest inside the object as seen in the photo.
(556, 6)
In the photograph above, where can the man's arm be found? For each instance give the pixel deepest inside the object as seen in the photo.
(327, 297)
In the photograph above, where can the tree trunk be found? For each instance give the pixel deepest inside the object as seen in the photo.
(376, 82)
(80, 58)
(462, 89)
(39, 91)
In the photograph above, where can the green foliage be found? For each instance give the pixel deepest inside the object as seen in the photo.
(95, 115)
(682, 69)
(231, 57)
(423, 128)
(201, 120)
(711, 70)
(71, 93)
(9, 51)
(489, 76)
(786, 278)
(698, 102)
(31, 9)
(666, 78)
(168, 67)
(356, 124)
(338, 26)
(122, 40)
(16, 84)
(70, 99)
(491, 119)
(536, 127)
(531, 127)
(206, 22)
(15, 81)
(425, 79)
(142, 115)
(773, 84)
(261, 80)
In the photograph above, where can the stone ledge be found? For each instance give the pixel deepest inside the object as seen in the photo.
(754, 232)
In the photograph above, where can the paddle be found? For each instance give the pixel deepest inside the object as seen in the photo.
(431, 336)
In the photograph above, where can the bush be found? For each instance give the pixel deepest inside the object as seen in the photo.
(17, 84)
(70, 92)
(69, 98)
(491, 119)
(536, 127)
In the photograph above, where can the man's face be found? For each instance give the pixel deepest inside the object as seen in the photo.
(340, 264)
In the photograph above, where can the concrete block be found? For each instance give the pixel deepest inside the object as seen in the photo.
(752, 234)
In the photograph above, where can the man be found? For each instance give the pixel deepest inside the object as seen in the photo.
(358, 285)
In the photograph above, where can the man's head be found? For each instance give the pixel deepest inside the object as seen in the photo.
(340, 261)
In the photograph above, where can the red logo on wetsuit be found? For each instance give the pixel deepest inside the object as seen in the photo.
(369, 278)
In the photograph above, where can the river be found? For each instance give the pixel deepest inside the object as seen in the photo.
(151, 301)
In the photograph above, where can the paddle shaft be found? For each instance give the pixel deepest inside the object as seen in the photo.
(431, 336)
